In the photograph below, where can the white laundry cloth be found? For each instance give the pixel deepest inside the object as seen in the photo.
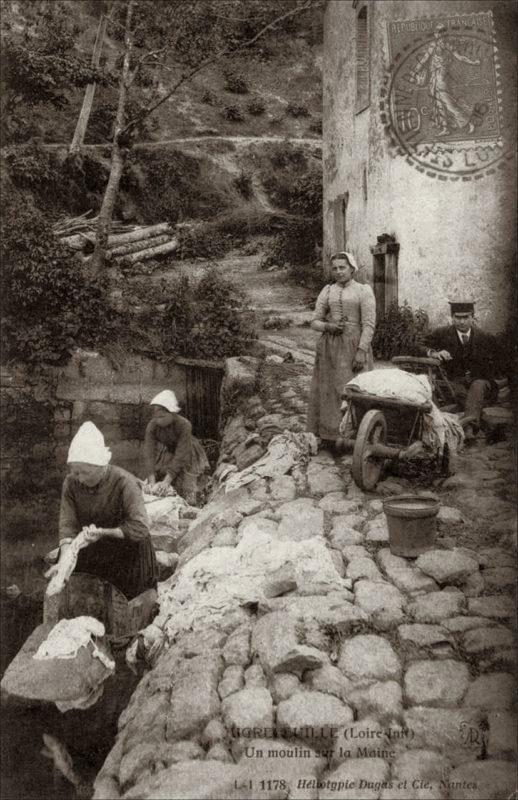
(69, 635)
(439, 427)
(67, 562)
(284, 451)
(394, 383)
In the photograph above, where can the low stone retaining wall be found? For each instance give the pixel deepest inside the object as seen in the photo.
(88, 387)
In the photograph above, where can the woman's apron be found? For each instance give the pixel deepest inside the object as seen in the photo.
(334, 358)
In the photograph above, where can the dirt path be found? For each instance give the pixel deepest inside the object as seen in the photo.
(240, 141)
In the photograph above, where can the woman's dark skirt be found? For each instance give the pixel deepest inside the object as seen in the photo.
(130, 566)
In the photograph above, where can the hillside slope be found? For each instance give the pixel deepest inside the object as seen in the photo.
(284, 78)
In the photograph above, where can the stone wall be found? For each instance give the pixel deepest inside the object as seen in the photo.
(456, 236)
(88, 387)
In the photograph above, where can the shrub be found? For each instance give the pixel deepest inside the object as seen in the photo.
(235, 83)
(209, 98)
(398, 331)
(244, 186)
(74, 184)
(233, 114)
(213, 239)
(204, 320)
(203, 241)
(32, 167)
(256, 107)
(305, 197)
(276, 322)
(176, 186)
(297, 111)
(288, 155)
(48, 305)
(297, 191)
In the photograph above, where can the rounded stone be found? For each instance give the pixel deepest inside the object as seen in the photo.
(436, 683)
(367, 657)
(492, 691)
(305, 712)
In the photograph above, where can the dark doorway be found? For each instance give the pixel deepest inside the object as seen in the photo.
(202, 400)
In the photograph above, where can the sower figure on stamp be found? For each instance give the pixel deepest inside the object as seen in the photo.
(345, 313)
(470, 359)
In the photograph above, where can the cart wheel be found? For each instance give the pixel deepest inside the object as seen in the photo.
(366, 469)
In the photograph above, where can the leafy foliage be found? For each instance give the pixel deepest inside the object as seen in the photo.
(214, 238)
(243, 184)
(42, 66)
(233, 114)
(209, 98)
(256, 107)
(74, 184)
(48, 305)
(398, 331)
(293, 181)
(175, 186)
(235, 83)
(297, 247)
(295, 110)
(203, 319)
(102, 119)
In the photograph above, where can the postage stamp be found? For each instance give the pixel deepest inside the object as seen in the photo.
(441, 103)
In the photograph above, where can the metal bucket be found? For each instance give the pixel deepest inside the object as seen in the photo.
(411, 522)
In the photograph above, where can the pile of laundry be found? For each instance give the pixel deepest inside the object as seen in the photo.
(439, 427)
(286, 452)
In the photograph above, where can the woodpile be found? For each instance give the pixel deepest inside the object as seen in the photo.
(127, 244)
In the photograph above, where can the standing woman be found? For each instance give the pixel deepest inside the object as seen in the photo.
(345, 313)
(109, 501)
(172, 454)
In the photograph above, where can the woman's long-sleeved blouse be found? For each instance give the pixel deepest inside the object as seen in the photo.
(116, 502)
(353, 304)
(177, 437)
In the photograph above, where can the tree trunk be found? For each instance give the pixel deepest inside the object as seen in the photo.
(84, 116)
(117, 160)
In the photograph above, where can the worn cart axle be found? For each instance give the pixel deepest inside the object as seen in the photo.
(381, 450)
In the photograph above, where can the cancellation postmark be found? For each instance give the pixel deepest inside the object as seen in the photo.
(441, 104)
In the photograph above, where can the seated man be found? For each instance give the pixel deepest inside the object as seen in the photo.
(469, 357)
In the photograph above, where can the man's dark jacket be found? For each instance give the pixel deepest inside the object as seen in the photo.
(479, 357)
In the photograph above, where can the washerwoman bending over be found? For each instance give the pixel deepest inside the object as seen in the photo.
(108, 501)
(173, 456)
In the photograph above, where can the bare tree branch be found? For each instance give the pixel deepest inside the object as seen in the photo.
(299, 9)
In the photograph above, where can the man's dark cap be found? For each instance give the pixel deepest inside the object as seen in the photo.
(461, 308)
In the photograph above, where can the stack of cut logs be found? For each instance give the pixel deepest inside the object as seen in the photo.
(127, 244)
